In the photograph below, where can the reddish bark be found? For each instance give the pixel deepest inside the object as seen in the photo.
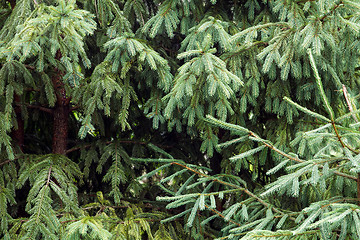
(60, 128)
(60, 113)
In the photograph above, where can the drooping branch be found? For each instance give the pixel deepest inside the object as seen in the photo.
(345, 92)
(41, 108)
(296, 159)
(267, 143)
(245, 190)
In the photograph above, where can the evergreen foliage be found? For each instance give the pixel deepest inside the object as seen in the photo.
(170, 119)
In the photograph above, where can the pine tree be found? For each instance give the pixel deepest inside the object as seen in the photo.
(169, 119)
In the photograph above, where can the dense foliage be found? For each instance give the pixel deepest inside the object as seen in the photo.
(179, 119)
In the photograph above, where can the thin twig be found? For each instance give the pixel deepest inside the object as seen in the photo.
(221, 215)
(349, 103)
(337, 134)
(49, 176)
(331, 11)
(5, 162)
(44, 109)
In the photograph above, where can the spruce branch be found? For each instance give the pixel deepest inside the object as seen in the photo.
(221, 215)
(264, 234)
(249, 193)
(338, 136)
(325, 100)
(336, 5)
(239, 35)
(241, 50)
(242, 130)
(320, 86)
(348, 102)
(307, 111)
(41, 108)
(296, 159)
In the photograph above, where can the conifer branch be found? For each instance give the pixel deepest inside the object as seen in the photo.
(173, 62)
(273, 234)
(356, 120)
(221, 215)
(296, 159)
(5, 162)
(337, 134)
(320, 86)
(233, 127)
(345, 92)
(119, 141)
(49, 176)
(340, 140)
(11, 160)
(331, 11)
(267, 205)
(325, 100)
(244, 48)
(41, 108)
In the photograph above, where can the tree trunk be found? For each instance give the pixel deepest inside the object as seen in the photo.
(60, 128)
(60, 113)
